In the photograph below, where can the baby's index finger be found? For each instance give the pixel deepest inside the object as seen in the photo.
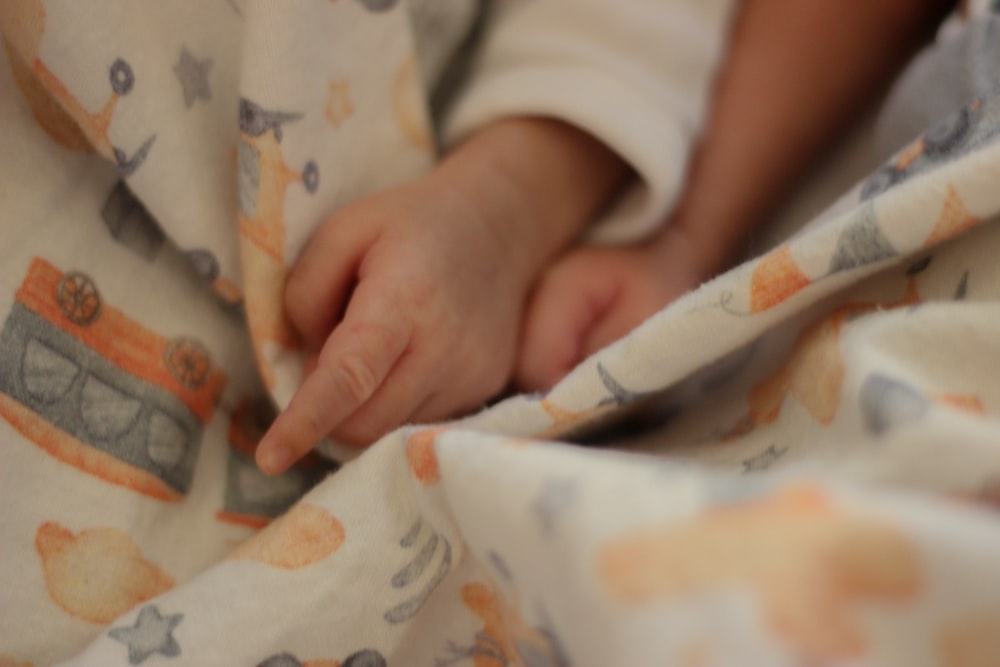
(353, 364)
(328, 396)
(295, 431)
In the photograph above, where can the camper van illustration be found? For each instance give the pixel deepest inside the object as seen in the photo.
(263, 180)
(98, 391)
(961, 131)
(253, 498)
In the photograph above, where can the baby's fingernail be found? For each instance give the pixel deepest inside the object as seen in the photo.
(274, 460)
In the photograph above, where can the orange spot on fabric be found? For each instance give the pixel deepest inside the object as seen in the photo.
(305, 535)
(98, 574)
(972, 640)
(955, 218)
(485, 604)
(695, 654)
(8, 661)
(775, 278)
(964, 402)
(809, 564)
(422, 457)
(408, 106)
(816, 371)
(813, 375)
(563, 420)
(909, 154)
(228, 290)
(253, 521)
(339, 107)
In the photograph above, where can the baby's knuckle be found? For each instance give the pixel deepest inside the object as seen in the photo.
(355, 377)
(315, 423)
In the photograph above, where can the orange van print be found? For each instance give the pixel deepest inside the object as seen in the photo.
(304, 536)
(776, 277)
(970, 641)
(264, 178)
(100, 392)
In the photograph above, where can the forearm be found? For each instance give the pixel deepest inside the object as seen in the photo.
(538, 181)
(796, 76)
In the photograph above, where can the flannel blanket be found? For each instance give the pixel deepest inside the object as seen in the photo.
(815, 482)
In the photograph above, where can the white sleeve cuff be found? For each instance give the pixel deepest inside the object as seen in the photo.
(635, 75)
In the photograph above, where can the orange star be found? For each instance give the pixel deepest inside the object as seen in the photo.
(955, 218)
(339, 106)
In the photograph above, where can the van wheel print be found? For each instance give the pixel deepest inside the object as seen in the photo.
(310, 177)
(78, 298)
(188, 361)
(122, 78)
(204, 262)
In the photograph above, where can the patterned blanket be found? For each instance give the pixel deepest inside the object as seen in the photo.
(815, 481)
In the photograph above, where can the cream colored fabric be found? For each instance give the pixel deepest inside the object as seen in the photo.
(825, 426)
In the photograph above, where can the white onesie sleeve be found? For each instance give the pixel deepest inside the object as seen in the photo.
(636, 74)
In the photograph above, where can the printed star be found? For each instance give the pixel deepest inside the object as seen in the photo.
(763, 460)
(555, 496)
(149, 635)
(193, 76)
(861, 243)
(619, 394)
(339, 107)
(955, 218)
(562, 419)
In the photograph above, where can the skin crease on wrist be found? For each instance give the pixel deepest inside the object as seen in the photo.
(410, 300)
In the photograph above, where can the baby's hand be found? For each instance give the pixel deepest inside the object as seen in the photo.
(592, 297)
(409, 305)
(410, 301)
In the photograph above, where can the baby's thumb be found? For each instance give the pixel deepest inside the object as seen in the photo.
(558, 323)
(613, 325)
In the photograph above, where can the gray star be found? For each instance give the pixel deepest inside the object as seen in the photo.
(555, 496)
(193, 75)
(763, 460)
(862, 242)
(619, 394)
(149, 635)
